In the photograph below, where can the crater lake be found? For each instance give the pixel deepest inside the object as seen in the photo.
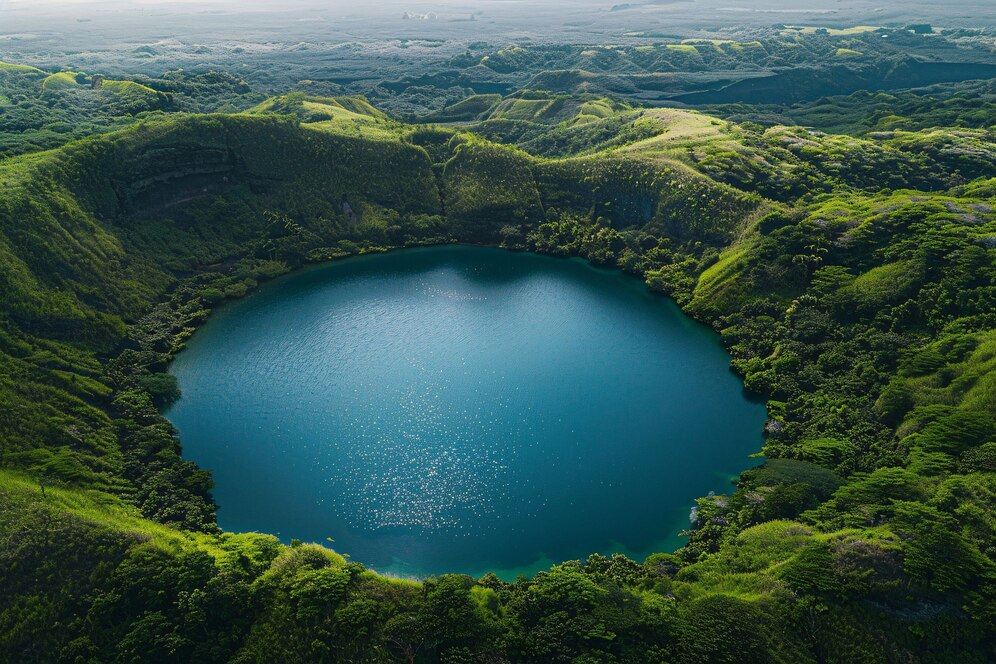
(462, 409)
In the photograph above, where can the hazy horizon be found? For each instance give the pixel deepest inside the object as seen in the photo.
(604, 14)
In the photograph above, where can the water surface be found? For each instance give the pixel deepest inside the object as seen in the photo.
(462, 409)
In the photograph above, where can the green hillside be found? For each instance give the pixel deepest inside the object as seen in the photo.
(315, 109)
(42, 110)
(474, 107)
(853, 281)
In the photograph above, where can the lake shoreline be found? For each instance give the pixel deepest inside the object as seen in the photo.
(492, 256)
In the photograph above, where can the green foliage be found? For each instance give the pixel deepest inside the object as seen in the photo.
(466, 110)
(487, 186)
(40, 111)
(724, 629)
(864, 315)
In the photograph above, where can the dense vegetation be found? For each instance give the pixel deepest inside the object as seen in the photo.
(40, 110)
(777, 66)
(853, 280)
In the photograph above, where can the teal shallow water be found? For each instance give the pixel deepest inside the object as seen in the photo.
(462, 409)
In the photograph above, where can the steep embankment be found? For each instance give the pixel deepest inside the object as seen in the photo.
(93, 234)
(105, 213)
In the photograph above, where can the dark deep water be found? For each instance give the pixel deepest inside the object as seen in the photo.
(462, 409)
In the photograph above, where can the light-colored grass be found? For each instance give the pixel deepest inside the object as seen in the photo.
(339, 115)
(682, 129)
(970, 383)
(723, 282)
(337, 107)
(350, 124)
(522, 109)
(61, 81)
(684, 48)
(102, 509)
(847, 54)
(107, 511)
(11, 67)
(759, 554)
(125, 87)
(601, 108)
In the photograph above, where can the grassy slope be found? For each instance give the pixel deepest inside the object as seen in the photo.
(466, 110)
(165, 163)
(115, 219)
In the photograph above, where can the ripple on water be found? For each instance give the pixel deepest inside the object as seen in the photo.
(459, 409)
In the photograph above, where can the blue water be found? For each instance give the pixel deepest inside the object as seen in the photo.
(462, 409)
